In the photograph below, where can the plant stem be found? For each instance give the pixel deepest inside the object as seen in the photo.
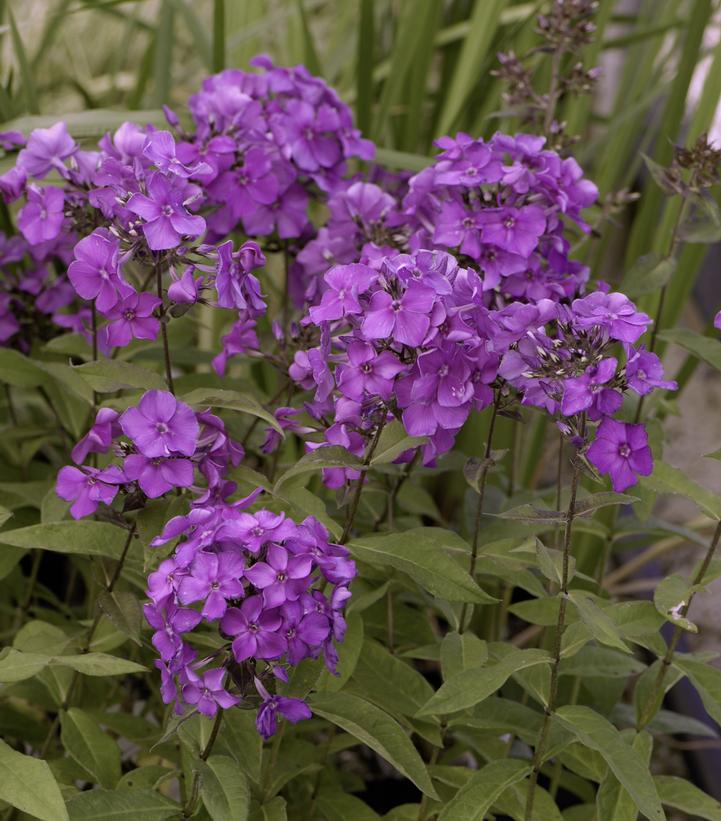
(479, 511)
(163, 326)
(355, 502)
(657, 693)
(192, 802)
(389, 509)
(88, 641)
(24, 606)
(556, 659)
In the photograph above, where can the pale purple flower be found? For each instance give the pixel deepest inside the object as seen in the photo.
(283, 577)
(166, 218)
(46, 149)
(94, 272)
(213, 578)
(644, 372)
(158, 475)
(292, 709)
(160, 149)
(369, 372)
(87, 488)
(161, 425)
(340, 298)
(41, 218)
(516, 230)
(257, 631)
(613, 311)
(208, 693)
(100, 436)
(406, 320)
(580, 392)
(132, 318)
(169, 623)
(621, 450)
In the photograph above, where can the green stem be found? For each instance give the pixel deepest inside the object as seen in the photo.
(657, 693)
(479, 512)
(192, 801)
(86, 644)
(355, 501)
(164, 326)
(556, 658)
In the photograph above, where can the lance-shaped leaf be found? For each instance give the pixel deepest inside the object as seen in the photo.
(687, 797)
(668, 479)
(419, 553)
(470, 687)
(393, 441)
(224, 789)
(94, 750)
(601, 625)
(231, 400)
(121, 805)
(28, 784)
(671, 597)
(707, 681)
(334, 456)
(109, 375)
(474, 800)
(379, 731)
(84, 537)
(596, 733)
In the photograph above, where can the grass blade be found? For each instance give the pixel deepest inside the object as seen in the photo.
(364, 66)
(26, 74)
(163, 57)
(218, 35)
(310, 55)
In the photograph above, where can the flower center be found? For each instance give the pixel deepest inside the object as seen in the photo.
(167, 210)
(396, 305)
(215, 586)
(257, 531)
(366, 367)
(468, 222)
(509, 222)
(253, 627)
(624, 450)
(161, 427)
(443, 371)
(129, 314)
(281, 577)
(308, 133)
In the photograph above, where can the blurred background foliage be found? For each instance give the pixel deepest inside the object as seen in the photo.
(412, 70)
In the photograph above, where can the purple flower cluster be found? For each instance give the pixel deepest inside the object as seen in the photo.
(275, 591)
(502, 206)
(271, 141)
(160, 442)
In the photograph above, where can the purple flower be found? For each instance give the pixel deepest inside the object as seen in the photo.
(580, 392)
(621, 450)
(41, 219)
(282, 578)
(10, 140)
(161, 425)
(160, 150)
(257, 631)
(94, 272)
(344, 284)
(87, 488)
(12, 184)
(208, 693)
(516, 230)
(286, 215)
(100, 436)
(369, 372)
(213, 578)
(293, 709)
(303, 631)
(235, 285)
(406, 320)
(166, 219)
(644, 373)
(306, 129)
(46, 149)
(157, 475)
(255, 530)
(170, 622)
(613, 311)
(242, 338)
(132, 318)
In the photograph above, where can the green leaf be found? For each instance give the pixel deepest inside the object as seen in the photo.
(90, 747)
(706, 680)
(470, 687)
(28, 784)
(18, 666)
(600, 662)
(84, 537)
(87, 125)
(26, 72)
(584, 506)
(419, 553)
(274, 810)
(596, 733)
(224, 789)
(231, 400)
(336, 805)
(388, 681)
(98, 664)
(702, 347)
(402, 159)
(482, 27)
(219, 35)
(474, 800)
(393, 441)
(239, 739)
(375, 728)
(703, 230)
(333, 456)
(121, 805)
(110, 375)
(612, 800)
(668, 479)
(650, 273)
(348, 654)
(671, 595)
(689, 799)
(462, 651)
(600, 624)
(124, 611)
(20, 371)
(550, 562)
